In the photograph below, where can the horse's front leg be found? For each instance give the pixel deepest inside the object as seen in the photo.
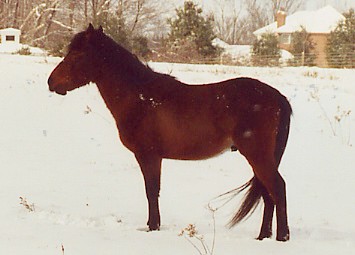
(151, 169)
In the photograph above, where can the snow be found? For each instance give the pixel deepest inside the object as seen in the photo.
(12, 48)
(242, 53)
(10, 30)
(62, 155)
(323, 20)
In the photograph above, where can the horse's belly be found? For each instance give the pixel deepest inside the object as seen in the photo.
(196, 154)
(195, 134)
(195, 146)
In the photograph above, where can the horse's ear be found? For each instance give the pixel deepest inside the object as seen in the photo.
(100, 29)
(90, 28)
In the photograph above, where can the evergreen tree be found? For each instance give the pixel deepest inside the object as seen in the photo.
(266, 51)
(140, 46)
(301, 48)
(191, 33)
(341, 43)
(114, 26)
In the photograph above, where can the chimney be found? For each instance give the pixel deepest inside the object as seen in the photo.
(281, 18)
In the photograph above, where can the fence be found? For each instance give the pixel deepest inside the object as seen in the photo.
(321, 60)
(346, 60)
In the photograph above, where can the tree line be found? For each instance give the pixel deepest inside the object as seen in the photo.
(49, 24)
(155, 28)
(134, 23)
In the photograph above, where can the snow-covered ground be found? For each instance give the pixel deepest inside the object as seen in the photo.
(13, 48)
(82, 191)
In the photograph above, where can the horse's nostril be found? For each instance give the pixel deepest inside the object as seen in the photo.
(50, 84)
(50, 80)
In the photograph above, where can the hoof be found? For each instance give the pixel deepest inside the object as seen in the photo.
(260, 238)
(283, 238)
(263, 235)
(154, 228)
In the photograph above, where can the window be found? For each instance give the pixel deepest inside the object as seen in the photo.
(285, 39)
(10, 38)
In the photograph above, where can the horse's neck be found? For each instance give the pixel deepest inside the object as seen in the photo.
(118, 93)
(111, 90)
(119, 86)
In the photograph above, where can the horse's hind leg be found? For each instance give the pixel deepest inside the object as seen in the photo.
(266, 227)
(283, 233)
(275, 186)
(259, 152)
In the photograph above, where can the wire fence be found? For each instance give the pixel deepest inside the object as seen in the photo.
(321, 60)
(344, 60)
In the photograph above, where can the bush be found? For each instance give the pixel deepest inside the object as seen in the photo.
(24, 51)
(301, 48)
(341, 43)
(58, 49)
(140, 46)
(115, 27)
(191, 32)
(266, 51)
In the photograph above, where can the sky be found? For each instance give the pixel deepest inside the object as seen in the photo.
(340, 5)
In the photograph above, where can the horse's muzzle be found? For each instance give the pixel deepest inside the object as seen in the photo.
(55, 88)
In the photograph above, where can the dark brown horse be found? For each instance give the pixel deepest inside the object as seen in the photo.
(159, 117)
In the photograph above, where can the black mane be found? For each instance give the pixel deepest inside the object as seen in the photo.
(126, 64)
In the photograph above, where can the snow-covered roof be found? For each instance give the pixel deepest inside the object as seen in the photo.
(235, 51)
(10, 31)
(323, 20)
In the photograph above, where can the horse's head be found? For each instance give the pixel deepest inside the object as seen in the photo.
(79, 66)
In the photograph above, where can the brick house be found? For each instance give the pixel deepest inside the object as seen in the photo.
(318, 24)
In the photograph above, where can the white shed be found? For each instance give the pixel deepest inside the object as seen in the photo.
(10, 35)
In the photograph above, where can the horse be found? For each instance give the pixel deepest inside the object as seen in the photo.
(159, 117)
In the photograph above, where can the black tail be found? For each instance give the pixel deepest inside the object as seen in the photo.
(283, 129)
(250, 202)
(255, 189)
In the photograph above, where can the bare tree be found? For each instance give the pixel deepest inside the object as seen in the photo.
(5, 12)
(47, 23)
(141, 16)
(137, 15)
(340, 5)
(255, 18)
(228, 20)
(99, 7)
(71, 12)
(44, 23)
(289, 6)
(236, 26)
(257, 13)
